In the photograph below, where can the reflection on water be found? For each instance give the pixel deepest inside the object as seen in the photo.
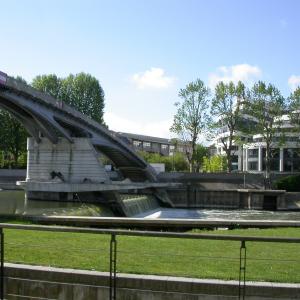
(14, 203)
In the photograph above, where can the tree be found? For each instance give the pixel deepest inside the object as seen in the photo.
(191, 117)
(200, 152)
(225, 109)
(265, 105)
(294, 109)
(82, 91)
(13, 135)
(49, 84)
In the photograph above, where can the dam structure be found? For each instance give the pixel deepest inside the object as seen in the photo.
(64, 150)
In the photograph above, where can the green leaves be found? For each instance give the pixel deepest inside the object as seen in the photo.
(13, 136)
(294, 109)
(191, 117)
(82, 91)
(225, 112)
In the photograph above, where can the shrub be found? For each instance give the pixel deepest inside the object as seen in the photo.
(289, 183)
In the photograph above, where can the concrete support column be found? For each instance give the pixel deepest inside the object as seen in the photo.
(281, 160)
(260, 159)
(246, 161)
(240, 159)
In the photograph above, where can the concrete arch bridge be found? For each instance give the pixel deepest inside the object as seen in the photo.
(63, 152)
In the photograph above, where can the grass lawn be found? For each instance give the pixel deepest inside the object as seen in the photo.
(160, 256)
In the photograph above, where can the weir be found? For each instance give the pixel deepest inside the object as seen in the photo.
(139, 204)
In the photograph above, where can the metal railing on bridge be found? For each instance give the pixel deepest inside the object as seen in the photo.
(113, 250)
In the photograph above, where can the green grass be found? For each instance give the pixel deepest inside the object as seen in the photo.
(161, 256)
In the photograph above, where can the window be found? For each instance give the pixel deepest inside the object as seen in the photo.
(253, 153)
(137, 143)
(172, 147)
(164, 147)
(253, 166)
(147, 144)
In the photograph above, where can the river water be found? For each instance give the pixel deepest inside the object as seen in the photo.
(14, 203)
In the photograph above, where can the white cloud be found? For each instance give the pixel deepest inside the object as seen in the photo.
(153, 78)
(294, 82)
(155, 128)
(243, 72)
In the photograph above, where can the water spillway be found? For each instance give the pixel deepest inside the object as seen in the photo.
(138, 204)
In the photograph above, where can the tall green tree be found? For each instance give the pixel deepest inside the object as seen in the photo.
(191, 117)
(82, 91)
(12, 135)
(265, 105)
(226, 111)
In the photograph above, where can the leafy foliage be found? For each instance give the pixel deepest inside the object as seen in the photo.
(294, 109)
(216, 163)
(200, 152)
(289, 183)
(13, 138)
(265, 104)
(225, 112)
(177, 162)
(82, 91)
(191, 117)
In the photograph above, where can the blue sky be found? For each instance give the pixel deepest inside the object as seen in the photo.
(143, 52)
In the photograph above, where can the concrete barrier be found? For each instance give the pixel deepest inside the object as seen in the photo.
(54, 283)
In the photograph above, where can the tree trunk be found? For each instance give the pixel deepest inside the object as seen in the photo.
(268, 167)
(229, 166)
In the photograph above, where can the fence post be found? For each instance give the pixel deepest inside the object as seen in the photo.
(2, 264)
(242, 274)
(113, 268)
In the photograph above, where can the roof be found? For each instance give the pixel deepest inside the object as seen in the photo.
(144, 138)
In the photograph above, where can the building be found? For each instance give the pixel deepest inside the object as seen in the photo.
(151, 144)
(146, 143)
(250, 156)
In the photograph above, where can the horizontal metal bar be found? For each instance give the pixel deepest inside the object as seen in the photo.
(160, 222)
(151, 233)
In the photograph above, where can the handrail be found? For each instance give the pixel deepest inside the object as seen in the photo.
(266, 239)
(113, 247)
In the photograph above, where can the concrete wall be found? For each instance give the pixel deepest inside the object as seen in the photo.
(76, 162)
(193, 196)
(54, 283)
(290, 201)
(215, 180)
(13, 173)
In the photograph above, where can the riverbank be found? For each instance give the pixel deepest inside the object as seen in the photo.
(160, 256)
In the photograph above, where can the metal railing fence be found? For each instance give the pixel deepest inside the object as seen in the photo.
(135, 233)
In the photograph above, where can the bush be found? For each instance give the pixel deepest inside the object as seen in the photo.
(172, 163)
(289, 183)
(216, 163)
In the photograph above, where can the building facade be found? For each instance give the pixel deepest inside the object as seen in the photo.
(249, 154)
(151, 144)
